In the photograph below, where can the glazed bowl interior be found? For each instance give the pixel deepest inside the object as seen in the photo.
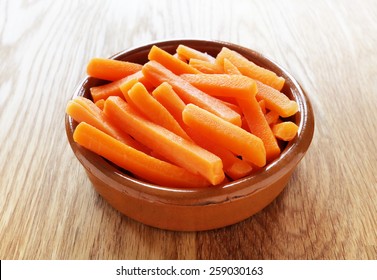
(124, 182)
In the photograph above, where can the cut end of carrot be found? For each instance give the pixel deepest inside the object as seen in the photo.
(285, 130)
(176, 65)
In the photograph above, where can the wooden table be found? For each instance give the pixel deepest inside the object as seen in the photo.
(49, 210)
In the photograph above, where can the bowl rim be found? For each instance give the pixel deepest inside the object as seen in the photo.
(289, 157)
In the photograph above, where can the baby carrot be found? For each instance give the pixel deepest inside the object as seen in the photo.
(165, 94)
(205, 66)
(174, 148)
(142, 165)
(225, 134)
(100, 103)
(174, 64)
(125, 87)
(258, 126)
(276, 100)
(176, 55)
(84, 110)
(190, 53)
(230, 69)
(285, 130)
(250, 69)
(154, 111)
(262, 105)
(271, 117)
(111, 69)
(104, 91)
(234, 167)
(113, 88)
(238, 86)
(157, 74)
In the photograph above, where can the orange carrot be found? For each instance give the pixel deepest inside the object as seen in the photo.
(244, 124)
(190, 53)
(174, 64)
(154, 111)
(84, 110)
(234, 167)
(231, 104)
(205, 66)
(137, 162)
(174, 148)
(100, 103)
(238, 86)
(225, 134)
(110, 69)
(276, 100)
(258, 126)
(271, 117)
(262, 105)
(113, 88)
(157, 74)
(180, 57)
(104, 91)
(250, 69)
(125, 87)
(165, 94)
(285, 130)
(229, 68)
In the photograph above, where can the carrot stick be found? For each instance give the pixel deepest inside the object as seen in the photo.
(137, 162)
(113, 88)
(205, 66)
(232, 106)
(276, 100)
(229, 68)
(238, 86)
(271, 117)
(244, 125)
(84, 110)
(100, 103)
(176, 55)
(154, 111)
(157, 74)
(234, 167)
(174, 64)
(110, 69)
(125, 87)
(225, 134)
(250, 69)
(285, 130)
(262, 105)
(165, 94)
(174, 148)
(190, 53)
(258, 126)
(104, 91)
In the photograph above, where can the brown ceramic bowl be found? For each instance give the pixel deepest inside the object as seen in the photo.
(197, 209)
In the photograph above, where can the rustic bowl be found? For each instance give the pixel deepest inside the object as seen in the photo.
(197, 209)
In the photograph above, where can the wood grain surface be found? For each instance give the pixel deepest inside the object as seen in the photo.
(49, 210)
